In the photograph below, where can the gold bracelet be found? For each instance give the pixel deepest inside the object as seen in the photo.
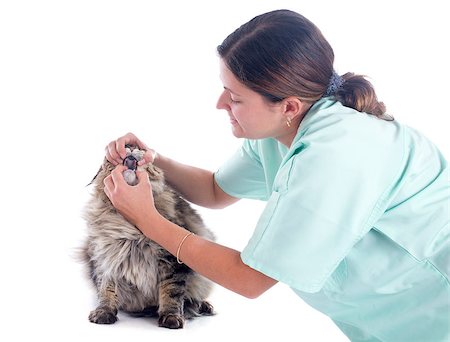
(181, 244)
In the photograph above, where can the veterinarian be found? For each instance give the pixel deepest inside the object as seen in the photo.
(357, 214)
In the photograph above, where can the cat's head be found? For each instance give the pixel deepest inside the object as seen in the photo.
(133, 156)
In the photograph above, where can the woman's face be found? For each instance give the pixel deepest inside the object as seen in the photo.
(251, 116)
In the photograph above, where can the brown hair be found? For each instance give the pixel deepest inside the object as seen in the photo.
(281, 53)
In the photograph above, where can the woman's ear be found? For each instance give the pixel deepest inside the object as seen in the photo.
(293, 108)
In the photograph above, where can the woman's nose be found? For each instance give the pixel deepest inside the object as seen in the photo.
(222, 102)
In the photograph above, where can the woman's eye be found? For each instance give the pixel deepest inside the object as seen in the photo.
(233, 100)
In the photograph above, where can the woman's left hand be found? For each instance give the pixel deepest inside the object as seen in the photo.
(135, 203)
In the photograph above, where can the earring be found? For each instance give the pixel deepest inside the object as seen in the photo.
(288, 122)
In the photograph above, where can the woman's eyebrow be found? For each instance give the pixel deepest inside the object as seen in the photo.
(231, 91)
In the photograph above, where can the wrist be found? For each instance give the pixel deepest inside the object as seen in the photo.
(148, 221)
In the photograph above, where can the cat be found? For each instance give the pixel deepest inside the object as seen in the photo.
(133, 273)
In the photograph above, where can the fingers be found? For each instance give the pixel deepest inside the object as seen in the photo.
(149, 157)
(111, 154)
(115, 185)
(120, 148)
(139, 143)
(115, 151)
(117, 174)
(142, 176)
(114, 178)
(120, 143)
(108, 186)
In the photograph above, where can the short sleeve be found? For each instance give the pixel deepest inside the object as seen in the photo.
(325, 199)
(243, 176)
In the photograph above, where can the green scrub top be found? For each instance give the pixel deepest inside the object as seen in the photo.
(356, 221)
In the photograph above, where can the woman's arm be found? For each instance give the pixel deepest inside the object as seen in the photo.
(194, 184)
(220, 264)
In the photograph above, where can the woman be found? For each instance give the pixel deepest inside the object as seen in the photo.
(357, 218)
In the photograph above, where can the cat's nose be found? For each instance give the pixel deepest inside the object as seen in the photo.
(130, 162)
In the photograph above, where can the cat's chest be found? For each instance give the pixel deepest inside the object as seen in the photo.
(134, 261)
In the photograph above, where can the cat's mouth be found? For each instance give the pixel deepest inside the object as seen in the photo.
(130, 162)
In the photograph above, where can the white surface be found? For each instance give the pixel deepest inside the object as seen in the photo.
(76, 74)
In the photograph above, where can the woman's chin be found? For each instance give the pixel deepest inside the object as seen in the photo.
(237, 131)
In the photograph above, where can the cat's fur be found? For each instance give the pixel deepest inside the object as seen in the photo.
(133, 273)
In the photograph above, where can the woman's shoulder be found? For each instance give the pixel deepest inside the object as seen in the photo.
(330, 126)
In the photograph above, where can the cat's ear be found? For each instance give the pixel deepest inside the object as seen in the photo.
(96, 175)
(106, 168)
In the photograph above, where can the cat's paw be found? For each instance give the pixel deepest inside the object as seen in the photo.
(206, 309)
(171, 321)
(103, 316)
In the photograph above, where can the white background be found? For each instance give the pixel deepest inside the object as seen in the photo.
(76, 74)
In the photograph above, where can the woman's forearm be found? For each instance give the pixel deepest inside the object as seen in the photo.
(218, 263)
(195, 184)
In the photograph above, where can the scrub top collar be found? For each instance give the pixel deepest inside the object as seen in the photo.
(310, 116)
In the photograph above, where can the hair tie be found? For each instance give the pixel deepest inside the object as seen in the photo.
(336, 82)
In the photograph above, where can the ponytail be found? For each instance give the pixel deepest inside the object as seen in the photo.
(358, 93)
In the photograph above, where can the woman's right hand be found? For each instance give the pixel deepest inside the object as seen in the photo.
(115, 150)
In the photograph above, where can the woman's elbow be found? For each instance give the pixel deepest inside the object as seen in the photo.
(253, 292)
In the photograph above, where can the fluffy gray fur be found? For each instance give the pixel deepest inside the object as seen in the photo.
(133, 273)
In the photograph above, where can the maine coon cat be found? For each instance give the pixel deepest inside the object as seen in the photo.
(133, 273)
